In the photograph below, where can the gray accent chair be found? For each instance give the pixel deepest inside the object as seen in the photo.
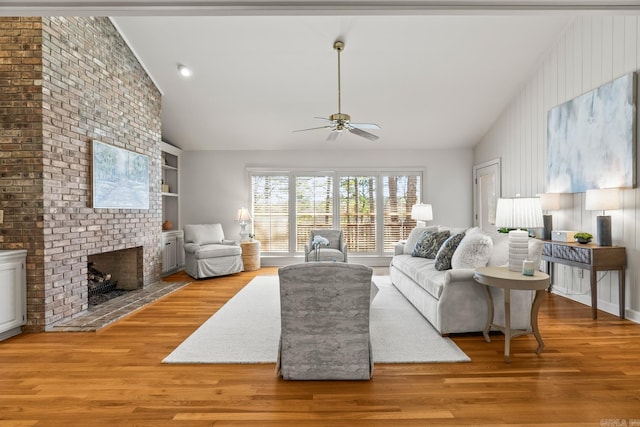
(208, 253)
(324, 310)
(336, 250)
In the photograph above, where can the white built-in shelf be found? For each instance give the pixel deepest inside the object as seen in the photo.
(171, 178)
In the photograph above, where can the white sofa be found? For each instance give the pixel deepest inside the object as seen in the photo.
(208, 253)
(451, 300)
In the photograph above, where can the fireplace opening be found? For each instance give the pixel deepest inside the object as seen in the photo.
(113, 274)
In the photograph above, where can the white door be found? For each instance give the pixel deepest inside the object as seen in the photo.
(486, 191)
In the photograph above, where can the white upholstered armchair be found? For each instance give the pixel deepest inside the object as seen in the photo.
(208, 254)
(334, 250)
(324, 309)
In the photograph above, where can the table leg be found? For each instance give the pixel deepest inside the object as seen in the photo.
(489, 315)
(507, 323)
(537, 301)
(621, 292)
(594, 294)
(550, 273)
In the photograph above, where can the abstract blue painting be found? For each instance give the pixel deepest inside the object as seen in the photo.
(591, 140)
(120, 178)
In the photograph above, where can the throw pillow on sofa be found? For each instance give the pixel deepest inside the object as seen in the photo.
(473, 251)
(414, 235)
(429, 243)
(446, 251)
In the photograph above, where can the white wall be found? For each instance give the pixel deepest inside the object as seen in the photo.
(593, 50)
(214, 184)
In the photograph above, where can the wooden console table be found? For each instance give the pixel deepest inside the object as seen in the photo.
(589, 257)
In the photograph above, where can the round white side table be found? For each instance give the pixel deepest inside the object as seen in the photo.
(502, 277)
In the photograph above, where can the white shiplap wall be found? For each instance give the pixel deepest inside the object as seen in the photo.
(592, 51)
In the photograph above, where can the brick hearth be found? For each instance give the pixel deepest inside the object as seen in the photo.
(65, 81)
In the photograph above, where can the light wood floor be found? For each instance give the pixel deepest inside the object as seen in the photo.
(589, 374)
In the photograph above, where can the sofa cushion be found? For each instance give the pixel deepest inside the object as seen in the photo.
(535, 251)
(215, 250)
(444, 255)
(414, 235)
(453, 230)
(500, 254)
(429, 243)
(421, 271)
(203, 234)
(327, 254)
(473, 251)
(333, 236)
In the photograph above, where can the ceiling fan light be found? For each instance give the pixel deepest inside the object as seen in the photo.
(184, 70)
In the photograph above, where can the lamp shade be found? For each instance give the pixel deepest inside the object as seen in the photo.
(243, 215)
(519, 212)
(422, 212)
(550, 201)
(603, 199)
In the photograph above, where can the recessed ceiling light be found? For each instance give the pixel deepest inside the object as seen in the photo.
(184, 70)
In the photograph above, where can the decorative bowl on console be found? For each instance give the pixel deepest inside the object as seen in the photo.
(583, 237)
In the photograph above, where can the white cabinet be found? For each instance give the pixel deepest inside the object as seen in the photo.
(180, 249)
(13, 292)
(172, 251)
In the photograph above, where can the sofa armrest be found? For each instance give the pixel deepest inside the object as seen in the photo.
(230, 242)
(459, 275)
(399, 247)
(343, 249)
(191, 248)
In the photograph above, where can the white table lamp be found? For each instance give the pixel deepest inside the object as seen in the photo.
(518, 213)
(602, 200)
(549, 202)
(243, 217)
(421, 213)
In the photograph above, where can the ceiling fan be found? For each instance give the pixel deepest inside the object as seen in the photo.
(340, 121)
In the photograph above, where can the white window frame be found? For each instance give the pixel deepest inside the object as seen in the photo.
(337, 173)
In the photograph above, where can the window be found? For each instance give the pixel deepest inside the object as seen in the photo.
(314, 206)
(372, 209)
(270, 203)
(358, 212)
(400, 194)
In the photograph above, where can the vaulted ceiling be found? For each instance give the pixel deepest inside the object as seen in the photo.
(432, 74)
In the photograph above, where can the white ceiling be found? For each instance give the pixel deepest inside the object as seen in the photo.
(432, 74)
(428, 81)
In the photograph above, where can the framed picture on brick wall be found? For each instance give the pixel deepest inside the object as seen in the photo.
(120, 178)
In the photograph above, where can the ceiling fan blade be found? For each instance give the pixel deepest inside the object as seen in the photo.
(333, 135)
(365, 125)
(324, 118)
(321, 127)
(363, 134)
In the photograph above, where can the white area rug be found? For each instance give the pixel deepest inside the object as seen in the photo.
(247, 329)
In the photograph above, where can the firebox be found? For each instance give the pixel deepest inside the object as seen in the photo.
(121, 269)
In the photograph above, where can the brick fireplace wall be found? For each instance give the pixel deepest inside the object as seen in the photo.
(64, 82)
